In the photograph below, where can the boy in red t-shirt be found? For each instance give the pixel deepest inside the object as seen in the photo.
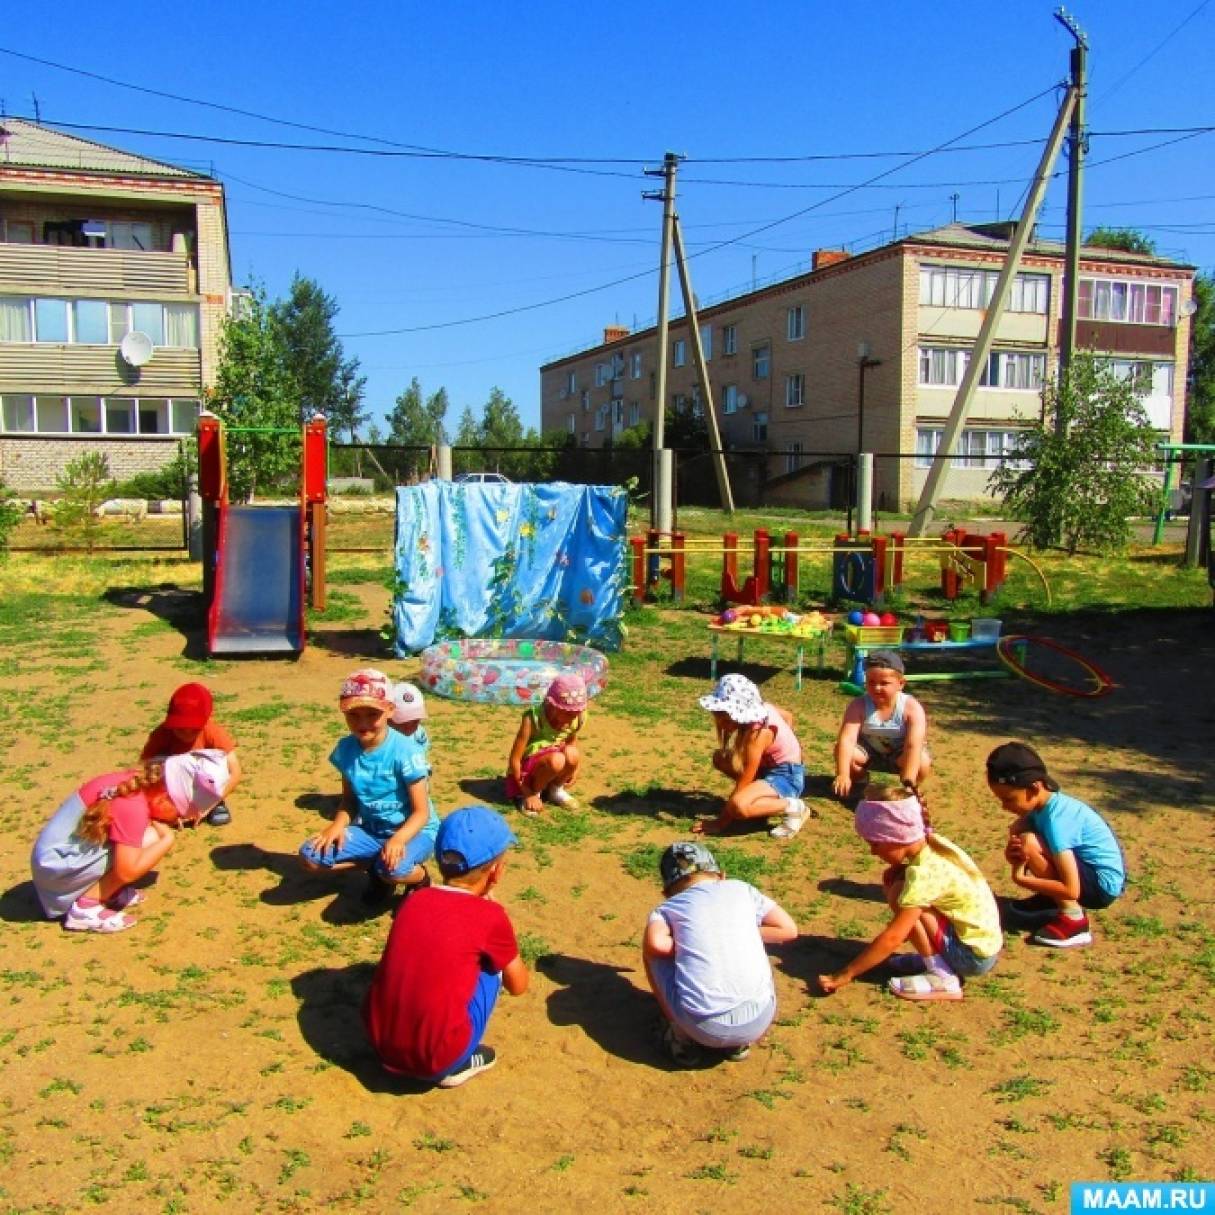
(450, 952)
(188, 726)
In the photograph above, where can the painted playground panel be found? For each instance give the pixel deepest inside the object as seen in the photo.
(259, 582)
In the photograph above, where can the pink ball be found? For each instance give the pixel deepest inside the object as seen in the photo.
(870, 619)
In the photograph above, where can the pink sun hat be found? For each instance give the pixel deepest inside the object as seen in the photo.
(890, 822)
(195, 781)
(568, 693)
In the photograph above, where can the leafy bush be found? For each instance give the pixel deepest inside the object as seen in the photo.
(11, 513)
(166, 482)
(84, 485)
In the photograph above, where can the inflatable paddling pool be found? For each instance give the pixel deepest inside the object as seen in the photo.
(507, 670)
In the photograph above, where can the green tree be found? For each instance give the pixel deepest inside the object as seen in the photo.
(1200, 387)
(84, 485)
(255, 388)
(501, 428)
(414, 422)
(327, 383)
(1086, 457)
(1130, 240)
(11, 513)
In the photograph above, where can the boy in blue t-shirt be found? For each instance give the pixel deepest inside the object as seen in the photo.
(386, 823)
(1059, 848)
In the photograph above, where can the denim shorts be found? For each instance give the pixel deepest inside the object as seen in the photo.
(959, 956)
(785, 780)
(362, 848)
(1093, 895)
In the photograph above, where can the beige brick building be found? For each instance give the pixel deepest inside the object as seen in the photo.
(97, 244)
(788, 363)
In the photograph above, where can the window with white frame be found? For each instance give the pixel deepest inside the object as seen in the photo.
(729, 398)
(26, 413)
(603, 374)
(759, 427)
(795, 323)
(976, 448)
(961, 287)
(635, 365)
(601, 417)
(679, 354)
(1146, 377)
(793, 457)
(96, 322)
(1127, 301)
(571, 382)
(945, 366)
(634, 413)
(761, 361)
(571, 423)
(586, 400)
(795, 390)
(729, 339)
(617, 365)
(706, 342)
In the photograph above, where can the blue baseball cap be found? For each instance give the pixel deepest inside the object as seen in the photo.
(470, 837)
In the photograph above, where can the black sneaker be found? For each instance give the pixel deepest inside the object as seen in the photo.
(220, 816)
(481, 1060)
(1027, 914)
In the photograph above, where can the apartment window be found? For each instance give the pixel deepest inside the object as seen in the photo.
(795, 323)
(153, 417)
(571, 382)
(86, 416)
(123, 235)
(698, 407)
(617, 366)
(761, 360)
(680, 354)
(729, 399)
(793, 458)
(635, 365)
(759, 427)
(795, 390)
(1147, 378)
(90, 322)
(634, 413)
(1013, 370)
(50, 414)
(571, 423)
(18, 414)
(19, 232)
(943, 366)
(91, 415)
(956, 287)
(1136, 303)
(601, 417)
(603, 373)
(16, 320)
(119, 418)
(586, 400)
(729, 339)
(185, 417)
(976, 448)
(706, 342)
(51, 320)
(618, 413)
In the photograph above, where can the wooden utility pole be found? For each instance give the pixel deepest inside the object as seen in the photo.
(702, 371)
(995, 313)
(1075, 196)
(661, 498)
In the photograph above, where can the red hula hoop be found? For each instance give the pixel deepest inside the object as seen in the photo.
(1104, 685)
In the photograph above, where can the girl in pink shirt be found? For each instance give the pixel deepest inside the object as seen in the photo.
(757, 749)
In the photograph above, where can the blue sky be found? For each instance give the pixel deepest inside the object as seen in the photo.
(406, 242)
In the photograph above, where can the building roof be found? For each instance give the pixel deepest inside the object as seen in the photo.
(30, 145)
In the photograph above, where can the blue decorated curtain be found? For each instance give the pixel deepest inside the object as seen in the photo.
(496, 560)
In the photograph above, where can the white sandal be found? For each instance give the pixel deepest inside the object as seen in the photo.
(793, 822)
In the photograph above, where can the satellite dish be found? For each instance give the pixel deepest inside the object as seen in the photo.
(136, 348)
(1189, 307)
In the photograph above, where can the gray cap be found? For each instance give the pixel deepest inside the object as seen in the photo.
(888, 659)
(684, 859)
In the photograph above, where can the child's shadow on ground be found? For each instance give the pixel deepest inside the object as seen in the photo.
(330, 1020)
(659, 803)
(19, 904)
(810, 956)
(846, 888)
(297, 885)
(611, 1010)
(486, 789)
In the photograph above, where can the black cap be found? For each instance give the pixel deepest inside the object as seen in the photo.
(887, 659)
(1018, 764)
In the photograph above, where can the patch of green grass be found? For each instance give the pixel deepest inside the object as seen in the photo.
(274, 710)
(429, 1142)
(712, 1172)
(1118, 1161)
(856, 1200)
(532, 948)
(1018, 1088)
(1019, 1022)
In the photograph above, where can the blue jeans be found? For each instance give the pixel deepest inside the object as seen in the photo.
(480, 1008)
(959, 956)
(785, 780)
(362, 848)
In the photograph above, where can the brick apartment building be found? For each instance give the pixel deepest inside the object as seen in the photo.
(785, 360)
(96, 244)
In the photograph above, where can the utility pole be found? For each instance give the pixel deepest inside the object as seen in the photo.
(1075, 194)
(702, 371)
(897, 208)
(660, 508)
(953, 198)
(995, 312)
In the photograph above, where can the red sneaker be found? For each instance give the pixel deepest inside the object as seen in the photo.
(1064, 932)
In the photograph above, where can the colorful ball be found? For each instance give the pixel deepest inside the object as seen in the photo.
(870, 619)
(856, 617)
(888, 619)
(729, 616)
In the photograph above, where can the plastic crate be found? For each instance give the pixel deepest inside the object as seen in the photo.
(871, 635)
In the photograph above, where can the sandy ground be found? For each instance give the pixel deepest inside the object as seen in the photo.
(213, 1056)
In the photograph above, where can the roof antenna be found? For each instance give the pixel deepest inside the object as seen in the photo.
(37, 108)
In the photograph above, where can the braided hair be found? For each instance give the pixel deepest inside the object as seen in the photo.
(94, 824)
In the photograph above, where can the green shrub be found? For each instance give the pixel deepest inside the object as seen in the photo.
(83, 486)
(168, 482)
(11, 513)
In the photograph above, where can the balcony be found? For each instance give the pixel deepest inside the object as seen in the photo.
(50, 269)
(27, 367)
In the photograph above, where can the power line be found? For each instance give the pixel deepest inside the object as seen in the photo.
(1152, 53)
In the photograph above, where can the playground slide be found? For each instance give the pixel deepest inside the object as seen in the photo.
(258, 606)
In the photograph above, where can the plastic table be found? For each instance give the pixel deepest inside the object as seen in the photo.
(856, 653)
(816, 643)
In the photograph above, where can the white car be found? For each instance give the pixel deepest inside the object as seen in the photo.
(495, 478)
